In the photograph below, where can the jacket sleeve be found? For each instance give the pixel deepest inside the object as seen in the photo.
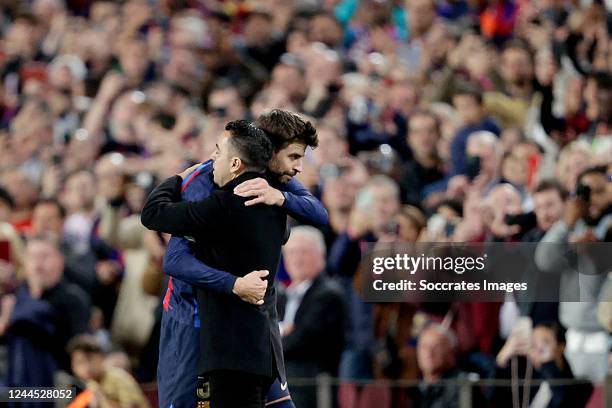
(165, 212)
(552, 254)
(565, 396)
(302, 205)
(180, 262)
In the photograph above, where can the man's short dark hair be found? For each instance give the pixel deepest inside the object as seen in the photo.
(284, 128)
(54, 202)
(85, 343)
(469, 89)
(428, 113)
(251, 144)
(551, 184)
(602, 170)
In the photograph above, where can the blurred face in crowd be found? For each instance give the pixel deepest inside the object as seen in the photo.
(288, 161)
(516, 66)
(304, 256)
(544, 345)
(288, 78)
(134, 60)
(47, 218)
(227, 165)
(79, 192)
(403, 97)
(324, 28)
(548, 208)
(423, 135)
(21, 188)
(570, 166)
(297, 41)
(339, 192)
(44, 263)
(226, 104)
(385, 205)
(20, 40)
(421, 16)
(408, 230)
(600, 199)
(468, 108)
(514, 170)
(258, 30)
(110, 176)
(88, 366)
(332, 146)
(122, 116)
(435, 353)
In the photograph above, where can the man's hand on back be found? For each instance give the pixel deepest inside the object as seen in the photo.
(188, 171)
(261, 190)
(252, 287)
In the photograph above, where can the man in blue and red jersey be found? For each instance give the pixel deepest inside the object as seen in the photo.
(179, 340)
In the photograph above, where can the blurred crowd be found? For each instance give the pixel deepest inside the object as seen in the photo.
(438, 120)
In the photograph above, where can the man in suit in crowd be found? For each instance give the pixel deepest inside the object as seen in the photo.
(240, 341)
(314, 313)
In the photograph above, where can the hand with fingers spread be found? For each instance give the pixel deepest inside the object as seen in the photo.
(252, 287)
(261, 190)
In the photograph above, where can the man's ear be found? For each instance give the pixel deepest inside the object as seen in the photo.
(235, 164)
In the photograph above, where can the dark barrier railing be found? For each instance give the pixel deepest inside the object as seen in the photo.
(326, 386)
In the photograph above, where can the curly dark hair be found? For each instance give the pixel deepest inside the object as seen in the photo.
(251, 144)
(285, 127)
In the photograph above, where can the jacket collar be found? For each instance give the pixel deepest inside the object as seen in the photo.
(247, 175)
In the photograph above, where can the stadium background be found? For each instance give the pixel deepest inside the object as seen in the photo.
(436, 119)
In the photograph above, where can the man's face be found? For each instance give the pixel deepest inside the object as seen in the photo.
(80, 192)
(516, 66)
(44, 263)
(434, 353)
(545, 345)
(303, 257)
(548, 207)
(422, 136)
(600, 200)
(287, 162)
(225, 164)
(421, 15)
(325, 29)
(47, 219)
(226, 104)
(87, 366)
(385, 206)
(468, 108)
(133, 59)
(331, 146)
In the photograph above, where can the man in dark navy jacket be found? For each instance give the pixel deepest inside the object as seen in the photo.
(240, 341)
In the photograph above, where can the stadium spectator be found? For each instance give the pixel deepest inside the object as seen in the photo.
(586, 219)
(436, 358)
(314, 317)
(46, 312)
(106, 384)
(538, 354)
